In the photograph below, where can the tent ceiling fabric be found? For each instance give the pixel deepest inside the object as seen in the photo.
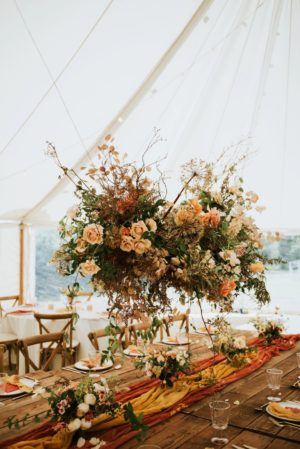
(69, 67)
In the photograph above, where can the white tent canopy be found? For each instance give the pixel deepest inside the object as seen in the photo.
(207, 73)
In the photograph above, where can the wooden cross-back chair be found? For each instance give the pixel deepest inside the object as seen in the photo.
(100, 333)
(133, 330)
(9, 339)
(55, 346)
(183, 318)
(70, 345)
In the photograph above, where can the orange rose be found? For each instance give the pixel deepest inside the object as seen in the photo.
(183, 216)
(257, 267)
(124, 230)
(212, 218)
(93, 233)
(226, 287)
(196, 206)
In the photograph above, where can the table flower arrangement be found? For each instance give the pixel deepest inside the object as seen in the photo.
(268, 329)
(233, 347)
(165, 364)
(136, 247)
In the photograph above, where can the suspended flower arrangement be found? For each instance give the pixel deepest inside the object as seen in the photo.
(135, 246)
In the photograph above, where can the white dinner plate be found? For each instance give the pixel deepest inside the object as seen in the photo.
(133, 354)
(175, 343)
(28, 382)
(285, 404)
(82, 366)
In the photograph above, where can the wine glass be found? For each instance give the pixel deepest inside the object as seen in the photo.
(3, 377)
(273, 379)
(220, 417)
(118, 357)
(298, 361)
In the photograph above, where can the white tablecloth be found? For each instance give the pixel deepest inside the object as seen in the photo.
(25, 325)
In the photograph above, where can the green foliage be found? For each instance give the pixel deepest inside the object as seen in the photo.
(135, 420)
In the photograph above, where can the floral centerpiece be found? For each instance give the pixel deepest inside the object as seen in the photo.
(136, 246)
(268, 329)
(165, 365)
(233, 347)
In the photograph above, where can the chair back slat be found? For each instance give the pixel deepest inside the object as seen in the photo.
(168, 321)
(100, 333)
(56, 341)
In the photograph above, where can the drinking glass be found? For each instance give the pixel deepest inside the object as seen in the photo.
(219, 416)
(298, 361)
(95, 357)
(273, 379)
(118, 358)
(3, 377)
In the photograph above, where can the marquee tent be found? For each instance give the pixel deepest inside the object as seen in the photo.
(209, 74)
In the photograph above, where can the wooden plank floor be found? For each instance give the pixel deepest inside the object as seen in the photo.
(191, 428)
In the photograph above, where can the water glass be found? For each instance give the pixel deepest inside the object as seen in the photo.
(273, 380)
(118, 358)
(298, 361)
(220, 411)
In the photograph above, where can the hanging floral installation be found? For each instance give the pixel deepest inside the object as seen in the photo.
(138, 248)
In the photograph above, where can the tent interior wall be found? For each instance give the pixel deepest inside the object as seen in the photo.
(221, 74)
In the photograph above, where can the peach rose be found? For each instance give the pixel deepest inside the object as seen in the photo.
(226, 287)
(126, 243)
(138, 229)
(252, 196)
(88, 268)
(80, 246)
(93, 233)
(212, 218)
(183, 216)
(196, 206)
(257, 267)
(151, 224)
(141, 246)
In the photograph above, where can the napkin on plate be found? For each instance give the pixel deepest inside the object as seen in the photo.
(14, 383)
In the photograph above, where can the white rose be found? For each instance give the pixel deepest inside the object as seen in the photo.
(90, 399)
(240, 342)
(126, 243)
(141, 246)
(82, 409)
(88, 268)
(94, 441)
(72, 212)
(74, 425)
(93, 233)
(80, 442)
(138, 229)
(85, 424)
(151, 224)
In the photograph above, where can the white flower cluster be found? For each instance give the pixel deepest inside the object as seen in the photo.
(267, 326)
(156, 360)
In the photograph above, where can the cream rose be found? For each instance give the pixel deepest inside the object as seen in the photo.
(240, 342)
(72, 212)
(80, 442)
(80, 246)
(82, 409)
(84, 425)
(74, 425)
(88, 268)
(89, 399)
(151, 224)
(141, 246)
(93, 233)
(138, 229)
(126, 243)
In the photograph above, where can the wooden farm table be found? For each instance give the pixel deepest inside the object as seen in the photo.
(191, 428)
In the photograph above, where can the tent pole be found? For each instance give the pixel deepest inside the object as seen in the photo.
(21, 273)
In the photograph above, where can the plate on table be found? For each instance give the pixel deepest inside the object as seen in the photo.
(12, 387)
(202, 331)
(275, 408)
(133, 351)
(174, 341)
(85, 365)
